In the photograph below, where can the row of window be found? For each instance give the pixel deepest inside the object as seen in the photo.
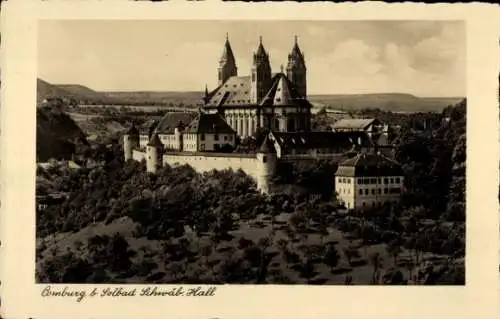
(216, 137)
(368, 181)
(386, 180)
(378, 191)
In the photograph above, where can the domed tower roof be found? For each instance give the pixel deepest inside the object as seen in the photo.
(155, 141)
(227, 53)
(267, 146)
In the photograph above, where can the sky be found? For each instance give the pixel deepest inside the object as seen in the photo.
(423, 58)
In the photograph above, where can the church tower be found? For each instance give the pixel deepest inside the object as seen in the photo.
(261, 74)
(296, 69)
(227, 63)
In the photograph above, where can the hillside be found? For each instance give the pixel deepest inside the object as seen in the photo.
(45, 90)
(394, 102)
(57, 135)
(188, 98)
(83, 91)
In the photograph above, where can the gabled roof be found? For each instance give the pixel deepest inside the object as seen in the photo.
(321, 140)
(369, 164)
(353, 123)
(148, 126)
(209, 124)
(171, 120)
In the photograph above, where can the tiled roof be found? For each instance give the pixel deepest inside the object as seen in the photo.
(148, 126)
(171, 120)
(235, 91)
(318, 140)
(209, 123)
(369, 164)
(283, 93)
(353, 123)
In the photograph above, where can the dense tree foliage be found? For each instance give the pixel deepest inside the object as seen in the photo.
(204, 224)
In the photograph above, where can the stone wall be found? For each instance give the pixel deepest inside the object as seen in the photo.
(203, 162)
(138, 155)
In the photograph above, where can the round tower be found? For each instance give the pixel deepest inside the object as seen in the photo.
(154, 152)
(130, 141)
(266, 165)
(178, 136)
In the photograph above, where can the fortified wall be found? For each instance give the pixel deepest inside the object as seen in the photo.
(260, 167)
(205, 161)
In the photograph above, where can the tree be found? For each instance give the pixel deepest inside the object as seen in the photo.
(307, 270)
(350, 253)
(394, 249)
(331, 257)
(376, 262)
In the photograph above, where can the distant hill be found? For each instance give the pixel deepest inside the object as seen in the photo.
(187, 98)
(57, 135)
(395, 102)
(83, 92)
(46, 90)
(75, 92)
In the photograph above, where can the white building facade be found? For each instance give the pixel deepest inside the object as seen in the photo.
(367, 181)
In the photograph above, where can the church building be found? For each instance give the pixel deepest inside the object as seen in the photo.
(276, 102)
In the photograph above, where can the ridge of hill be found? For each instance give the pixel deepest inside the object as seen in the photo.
(395, 102)
(82, 91)
(46, 90)
(71, 91)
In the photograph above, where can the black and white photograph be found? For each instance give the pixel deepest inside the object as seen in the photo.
(263, 152)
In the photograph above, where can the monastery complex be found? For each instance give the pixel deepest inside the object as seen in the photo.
(276, 104)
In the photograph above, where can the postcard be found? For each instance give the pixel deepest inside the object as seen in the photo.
(202, 160)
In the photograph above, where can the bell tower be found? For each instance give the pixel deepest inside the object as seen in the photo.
(227, 63)
(296, 69)
(260, 73)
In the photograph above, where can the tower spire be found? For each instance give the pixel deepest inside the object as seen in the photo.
(227, 62)
(296, 68)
